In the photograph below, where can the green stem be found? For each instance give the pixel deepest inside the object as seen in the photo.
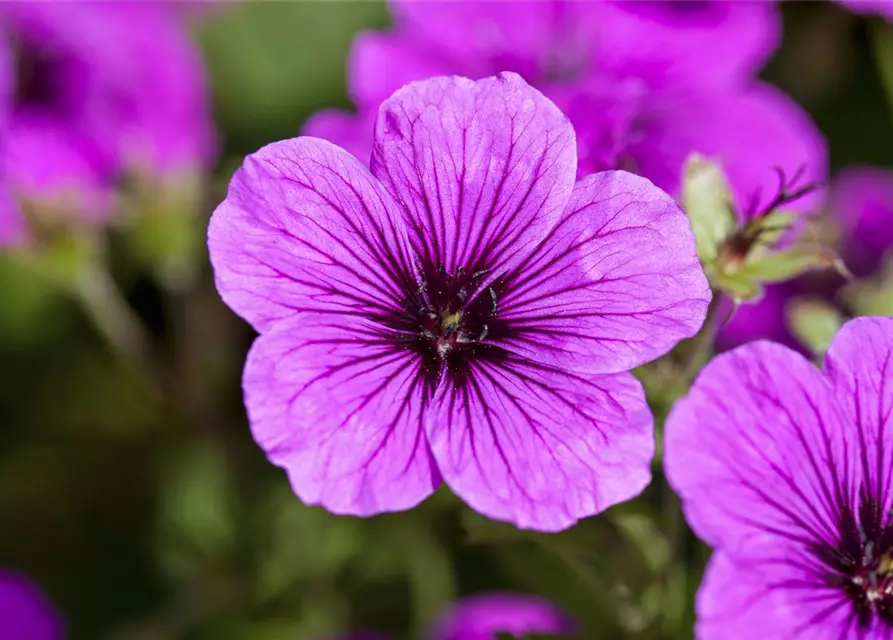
(113, 318)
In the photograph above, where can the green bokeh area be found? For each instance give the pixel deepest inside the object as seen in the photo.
(146, 510)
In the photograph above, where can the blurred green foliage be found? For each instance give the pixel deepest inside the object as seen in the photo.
(141, 503)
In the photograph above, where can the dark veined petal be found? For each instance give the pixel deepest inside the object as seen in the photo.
(859, 364)
(539, 447)
(306, 227)
(761, 454)
(770, 601)
(482, 169)
(615, 284)
(484, 616)
(338, 405)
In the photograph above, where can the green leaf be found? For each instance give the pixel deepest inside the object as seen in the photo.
(708, 202)
(814, 323)
(197, 509)
(786, 265)
(739, 286)
(872, 297)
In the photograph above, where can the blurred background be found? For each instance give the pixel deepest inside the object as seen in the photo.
(140, 503)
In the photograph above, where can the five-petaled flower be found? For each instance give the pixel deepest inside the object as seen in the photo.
(786, 470)
(460, 312)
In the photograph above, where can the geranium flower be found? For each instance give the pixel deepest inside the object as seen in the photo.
(463, 312)
(90, 92)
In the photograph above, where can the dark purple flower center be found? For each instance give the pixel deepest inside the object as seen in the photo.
(448, 319)
(861, 562)
(38, 78)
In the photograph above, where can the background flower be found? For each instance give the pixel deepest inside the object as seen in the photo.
(635, 80)
(95, 92)
(25, 612)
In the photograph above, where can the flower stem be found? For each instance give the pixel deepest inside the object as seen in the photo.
(113, 318)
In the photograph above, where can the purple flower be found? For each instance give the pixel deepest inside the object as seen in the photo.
(786, 471)
(483, 617)
(862, 203)
(462, 313)
(644, 83)
(90, 91)
(25, 613)
(882, 8)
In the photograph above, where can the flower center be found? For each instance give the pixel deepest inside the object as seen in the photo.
(37, 78)
(861, 564)
(450, 317)
(448, 320)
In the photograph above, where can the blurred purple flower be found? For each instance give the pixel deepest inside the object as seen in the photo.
(483, 617)
(91, 91)
(862, 203)
(882, 8)
(25, 613)
(786, 471)
(463, 313)
(644, 83)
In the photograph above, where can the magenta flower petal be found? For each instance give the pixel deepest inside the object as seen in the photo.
(45, 162)
(733, 466)
(483, 617)
(7, 81)
(739, 601)
(749, 131)
(862, 203)
(787, 472)
(616, 283)
(483, 169)
(540, 447)
(483, 38)
(761, 320)
(330, 400)
(25, 612)
(352, 132)
(665, 40)
(380, 63)
(306, 227)
(859, 364)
